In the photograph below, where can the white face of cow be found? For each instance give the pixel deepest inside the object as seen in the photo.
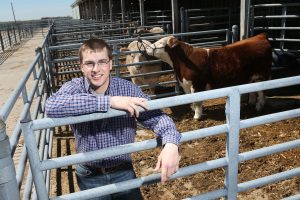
(136, 57)
(157, 50)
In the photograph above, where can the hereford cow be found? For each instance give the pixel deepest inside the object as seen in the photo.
(199, 69)
(141, 69)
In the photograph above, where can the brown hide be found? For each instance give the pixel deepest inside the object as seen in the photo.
(231, 65)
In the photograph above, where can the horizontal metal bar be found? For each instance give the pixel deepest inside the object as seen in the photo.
(172, 101)
(276, 16)
(276, 5)
(268, 179)
(147, 38)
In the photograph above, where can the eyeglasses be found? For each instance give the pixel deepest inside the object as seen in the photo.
(100, 63)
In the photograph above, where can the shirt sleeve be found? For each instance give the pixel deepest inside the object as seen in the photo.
(160, 123)
(71, 100)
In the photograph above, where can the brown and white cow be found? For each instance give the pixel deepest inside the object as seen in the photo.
(199, 69)
(141, 69)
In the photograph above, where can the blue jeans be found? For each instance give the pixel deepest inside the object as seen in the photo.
(87, 179)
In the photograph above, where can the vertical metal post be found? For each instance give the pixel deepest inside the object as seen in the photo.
(182, 22)
(235, 33)
(41, 64)
(91, 10)
(111, 10)
(228, 36)
(101, 8)
(9, 189)
(232, 143)
(175, 16)
(244, 18)
(283, 24)
(116, 59)
(9, 39)
(96, 10)
(142, 12)
(34, 160)
(1, 41)
(123, 10)
(14, 29)
(12, 8)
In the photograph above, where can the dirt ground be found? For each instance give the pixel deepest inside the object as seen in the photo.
(63, 180)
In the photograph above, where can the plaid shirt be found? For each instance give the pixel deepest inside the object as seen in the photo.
(76, 97)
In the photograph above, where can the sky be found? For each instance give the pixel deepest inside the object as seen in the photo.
(34, 9)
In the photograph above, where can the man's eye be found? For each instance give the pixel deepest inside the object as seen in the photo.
(89, 64)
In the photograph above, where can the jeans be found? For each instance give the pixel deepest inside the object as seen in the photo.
(87, 179)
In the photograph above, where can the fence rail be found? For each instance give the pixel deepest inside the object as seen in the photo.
(231, 129)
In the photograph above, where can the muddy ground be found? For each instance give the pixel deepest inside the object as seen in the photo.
(63, 180)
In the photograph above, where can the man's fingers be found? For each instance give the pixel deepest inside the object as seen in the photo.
(141, 102)
(157, 166)
(136, 111)
(164, 175)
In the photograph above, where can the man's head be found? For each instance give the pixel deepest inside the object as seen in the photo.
(94, 45)
(96, 62)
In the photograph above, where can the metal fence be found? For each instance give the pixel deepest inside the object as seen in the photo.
(280, 21)
(231, 128)
(33, 94)
(38, 131)
(14, 34)
(64, 57)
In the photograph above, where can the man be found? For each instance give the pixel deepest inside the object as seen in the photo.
(97, 91)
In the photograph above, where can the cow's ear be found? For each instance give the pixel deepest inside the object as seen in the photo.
(172, 42)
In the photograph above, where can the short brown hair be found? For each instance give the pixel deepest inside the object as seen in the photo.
(94, 45)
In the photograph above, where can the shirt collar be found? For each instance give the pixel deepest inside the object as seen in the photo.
(90, 90)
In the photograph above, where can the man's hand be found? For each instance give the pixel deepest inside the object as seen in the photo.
(130, 104)
(168, 161)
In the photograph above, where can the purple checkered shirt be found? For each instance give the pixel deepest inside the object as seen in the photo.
(76, 97)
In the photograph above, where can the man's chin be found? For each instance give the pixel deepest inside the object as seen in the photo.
(96, 85)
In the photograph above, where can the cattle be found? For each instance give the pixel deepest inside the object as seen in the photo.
(199, 69)
(141, 69)
(154, 30)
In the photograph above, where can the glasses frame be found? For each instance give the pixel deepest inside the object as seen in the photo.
(101, 63)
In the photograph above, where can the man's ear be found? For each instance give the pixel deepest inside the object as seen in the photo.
(172, 42)
(81, 67)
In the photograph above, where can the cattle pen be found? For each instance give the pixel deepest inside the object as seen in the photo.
(31, 175)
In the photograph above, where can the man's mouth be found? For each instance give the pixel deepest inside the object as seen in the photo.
(98, 76)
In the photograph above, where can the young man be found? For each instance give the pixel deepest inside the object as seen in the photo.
(97, 91)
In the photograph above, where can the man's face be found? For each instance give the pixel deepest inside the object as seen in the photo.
(96, 68)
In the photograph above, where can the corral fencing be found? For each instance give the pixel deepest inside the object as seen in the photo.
(38, 132)
(15, 177)
(13, 34)
(280, 21)
(231, 128)
(65, 62)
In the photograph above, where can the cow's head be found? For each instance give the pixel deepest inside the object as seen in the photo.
(159, 49)
(136, 57)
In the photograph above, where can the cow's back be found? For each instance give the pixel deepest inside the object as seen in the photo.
(240, 62)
